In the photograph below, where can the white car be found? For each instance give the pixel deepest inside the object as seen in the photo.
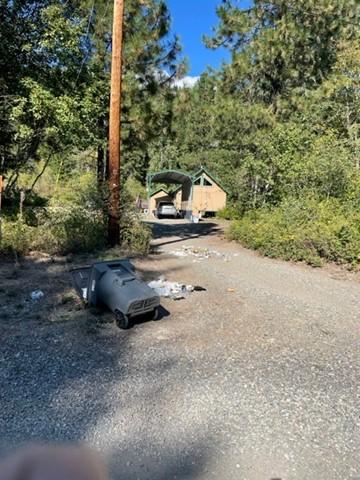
(166, 209)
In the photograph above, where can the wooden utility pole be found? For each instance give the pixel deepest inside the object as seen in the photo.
(1, 189)
(115, 123)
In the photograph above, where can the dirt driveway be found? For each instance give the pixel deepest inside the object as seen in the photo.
(255, 378)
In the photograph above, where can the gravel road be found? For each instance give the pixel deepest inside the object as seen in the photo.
(255, 378)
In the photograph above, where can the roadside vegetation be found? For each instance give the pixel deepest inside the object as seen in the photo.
(54, 81)
(279, 124)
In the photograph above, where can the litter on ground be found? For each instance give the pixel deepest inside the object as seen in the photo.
(201, 254)
(36, 295)
(173, 290)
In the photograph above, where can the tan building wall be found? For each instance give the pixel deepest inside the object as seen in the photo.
(160, 196)
(208, 198)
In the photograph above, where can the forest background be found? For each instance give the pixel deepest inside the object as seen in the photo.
(279, 123)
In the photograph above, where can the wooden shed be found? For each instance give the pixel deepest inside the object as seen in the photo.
(197, 194)
(208, 196)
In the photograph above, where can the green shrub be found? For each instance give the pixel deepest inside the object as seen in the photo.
(306, 230)
(16, 237)
(74, 220)
(135, 235)
(69, 228)
(59, 230)
(230, 212)
(134, 189)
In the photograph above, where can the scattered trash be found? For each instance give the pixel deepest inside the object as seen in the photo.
(165, 289)
(179, 253)
(173, 290)
(201, 254)
(36, 295)
(199, 289)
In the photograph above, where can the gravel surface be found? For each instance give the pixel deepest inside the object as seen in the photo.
(255, 378)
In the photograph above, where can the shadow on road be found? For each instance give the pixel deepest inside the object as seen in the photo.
(182, 230)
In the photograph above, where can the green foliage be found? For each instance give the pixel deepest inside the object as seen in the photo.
(78, 190)
(147, 74)
(306, 229)
(41, 48)
(54, 106)
(73, 221)
(69, 228)
(279, 45)
(135, 189)
(59, 230)
(135, 235)
(280, 126)
(230, 212)
(16, 237)
(55, 77)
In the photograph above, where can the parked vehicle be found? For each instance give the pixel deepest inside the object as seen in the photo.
(166, 209)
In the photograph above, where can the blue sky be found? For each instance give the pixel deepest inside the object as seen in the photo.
(191, 20)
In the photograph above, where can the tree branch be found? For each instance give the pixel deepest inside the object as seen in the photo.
(40, 174)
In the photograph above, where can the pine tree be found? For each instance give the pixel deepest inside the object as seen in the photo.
(279, 45)
(150, 61)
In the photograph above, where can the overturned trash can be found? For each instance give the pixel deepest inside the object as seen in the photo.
(115, 285)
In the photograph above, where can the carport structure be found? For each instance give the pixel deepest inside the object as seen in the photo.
(174, 177)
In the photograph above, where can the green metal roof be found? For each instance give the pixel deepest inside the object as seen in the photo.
(179, 177)
(169, 176)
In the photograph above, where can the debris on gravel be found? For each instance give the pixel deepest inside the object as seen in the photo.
(201, 253)
(173, 290)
